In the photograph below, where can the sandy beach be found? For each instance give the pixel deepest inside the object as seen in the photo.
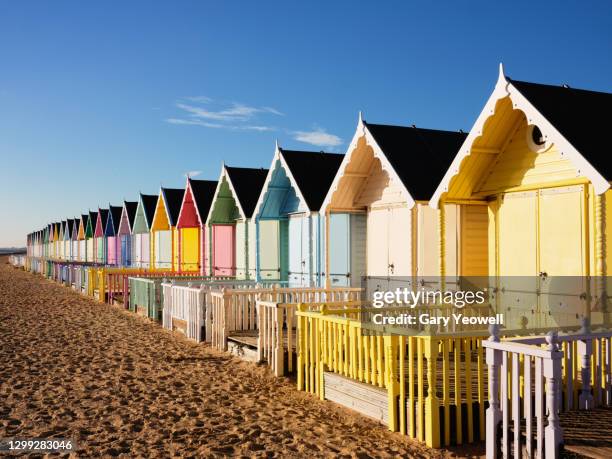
(120, 385)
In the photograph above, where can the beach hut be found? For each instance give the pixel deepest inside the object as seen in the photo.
(60, 240)
(82, 252)
(74, 240)
(535, 169)
(164, 233)
(193, 237)
(128, 214)
(141, 230)
(46, 242)
(56, 240)
(230, 224)
(113, 243)
(68, 239)
(100, 236)
(287, 216)
(89, 236)
(378, 226)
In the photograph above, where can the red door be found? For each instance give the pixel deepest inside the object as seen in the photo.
(223, 250)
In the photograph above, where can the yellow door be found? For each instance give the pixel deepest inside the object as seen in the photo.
(517, 258)
(562, 260)
(190, 244)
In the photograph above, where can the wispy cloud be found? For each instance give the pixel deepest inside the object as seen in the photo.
(192, 174)
(317, 137)
(242, 127)
(203, 111)
(199, 99)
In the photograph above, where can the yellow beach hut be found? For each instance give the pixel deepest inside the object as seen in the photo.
(537, 163)
(82, 247)
(193, 238)
(378, 226)
(164, 233)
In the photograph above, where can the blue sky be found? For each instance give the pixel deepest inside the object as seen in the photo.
(99, 102)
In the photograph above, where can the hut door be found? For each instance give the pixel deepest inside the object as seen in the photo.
(306, 252)
(240, 249)
(561, 263)
(190, 248)
(295, 251)
(223, 250)
(163, 249)
(269, 253)
(400, 256)
(339, 250)
(378, 243)
(517, 257)
(125, 250)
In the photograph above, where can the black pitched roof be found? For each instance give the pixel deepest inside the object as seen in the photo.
(174, 199)
(115, 213)
(579, 115)
(314, 173)
(420, 156)
(203, 194)
(70, 224)
(93, 216)
(247, 184)
(149, 202)
(103, 218)
(131, 208)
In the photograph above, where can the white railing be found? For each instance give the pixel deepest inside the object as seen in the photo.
(189, 301)
(532, 379)
(17, 260)
(236, 310)
(277, 326)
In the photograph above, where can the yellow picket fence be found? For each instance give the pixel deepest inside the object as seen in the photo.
(435, 385)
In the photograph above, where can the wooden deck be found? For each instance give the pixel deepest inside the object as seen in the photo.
(588, 433)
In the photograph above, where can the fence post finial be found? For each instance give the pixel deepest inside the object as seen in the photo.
(494, 331)
(552, 339)
(585, 326)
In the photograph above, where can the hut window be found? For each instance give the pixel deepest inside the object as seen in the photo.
(535, 139)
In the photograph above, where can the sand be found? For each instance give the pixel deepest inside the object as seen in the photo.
(118, 384)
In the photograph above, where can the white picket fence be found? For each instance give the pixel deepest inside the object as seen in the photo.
(236, 310)
(189, 302)
(551, 368)
(17, 261)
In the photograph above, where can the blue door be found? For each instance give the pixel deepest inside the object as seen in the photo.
(339, 250)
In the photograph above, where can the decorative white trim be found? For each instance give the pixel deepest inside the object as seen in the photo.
(361, 131)
(267, 182)
(195, 205)
(225, 174)
(504, 88)
(294, 182)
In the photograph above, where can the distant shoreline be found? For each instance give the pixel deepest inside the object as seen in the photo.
(12, 250)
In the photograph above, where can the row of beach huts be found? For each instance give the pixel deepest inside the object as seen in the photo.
(279, 266)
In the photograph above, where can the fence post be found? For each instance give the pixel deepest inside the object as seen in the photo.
(391, 342)
(432, 411)
(494, 358)
(585, 350)
(300, 346)
(279, 354)
(552, 372)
